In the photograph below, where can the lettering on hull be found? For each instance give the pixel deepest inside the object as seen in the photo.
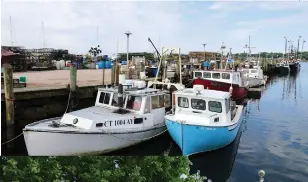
(112, 123)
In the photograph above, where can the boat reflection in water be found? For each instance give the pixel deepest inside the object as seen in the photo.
(217, 165)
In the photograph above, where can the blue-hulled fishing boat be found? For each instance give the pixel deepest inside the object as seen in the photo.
(203, 120)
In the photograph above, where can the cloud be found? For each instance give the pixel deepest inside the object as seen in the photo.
(73, 24)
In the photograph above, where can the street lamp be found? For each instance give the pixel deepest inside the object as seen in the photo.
(127, 34)
(204, 50)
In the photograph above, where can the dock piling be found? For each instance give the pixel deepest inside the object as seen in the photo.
(73, 88)
(9, 103)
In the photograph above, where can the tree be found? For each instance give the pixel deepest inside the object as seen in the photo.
(95, 51)
(96, 168)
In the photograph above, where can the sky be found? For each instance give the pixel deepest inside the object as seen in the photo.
(187, 25)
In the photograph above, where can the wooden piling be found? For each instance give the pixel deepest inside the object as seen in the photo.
(73, 78)
(113, 69)
(118, 67)
(9, 103)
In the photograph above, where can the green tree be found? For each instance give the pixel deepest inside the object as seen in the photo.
(90, 168)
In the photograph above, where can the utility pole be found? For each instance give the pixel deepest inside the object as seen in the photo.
(11, 31)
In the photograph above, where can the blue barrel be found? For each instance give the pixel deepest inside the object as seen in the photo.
(155, 71)
(101, 65)
(107, 64)
(124, 62)
(76, 64)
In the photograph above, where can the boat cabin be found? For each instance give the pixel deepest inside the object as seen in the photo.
(220, 76)
(253, 73)
(139, 101)
(214, 107)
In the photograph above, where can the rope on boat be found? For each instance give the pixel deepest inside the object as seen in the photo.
(137, 139)
(12, 139)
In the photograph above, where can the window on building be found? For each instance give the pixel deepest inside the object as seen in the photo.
(134, 102)
(225, 76)
(104, 98)
(216, 75)
(197, 74)
(215, 106)
(198, 104)
(206, 75)
(183, 102)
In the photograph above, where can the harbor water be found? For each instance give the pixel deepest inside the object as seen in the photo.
(273, 137)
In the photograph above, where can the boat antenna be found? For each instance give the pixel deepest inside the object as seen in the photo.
(231, 88)
(116, 62)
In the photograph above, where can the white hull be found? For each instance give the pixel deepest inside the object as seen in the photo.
(255, 82)
(68, 142)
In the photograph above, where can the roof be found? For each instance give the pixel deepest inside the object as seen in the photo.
(5, 53)
(205, 93)
(141, 92)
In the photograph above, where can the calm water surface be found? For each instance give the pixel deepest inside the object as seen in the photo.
(273, 137)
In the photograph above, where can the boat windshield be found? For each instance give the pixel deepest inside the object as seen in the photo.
(134, 102)
(215, 106)
(104, 98)
(115, 99)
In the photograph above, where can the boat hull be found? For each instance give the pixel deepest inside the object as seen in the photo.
(59, 143)
(194, 139)
(293, 66)
(237, 93)
(255, 82)
(284, 69)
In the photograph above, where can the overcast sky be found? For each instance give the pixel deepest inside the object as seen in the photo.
(73, 25)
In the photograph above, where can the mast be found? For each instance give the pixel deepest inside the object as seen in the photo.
(299, 37)
(12, 43)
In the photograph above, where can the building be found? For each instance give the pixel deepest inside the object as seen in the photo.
(198, 56)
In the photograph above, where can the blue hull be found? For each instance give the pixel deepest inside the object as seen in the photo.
(194, 139)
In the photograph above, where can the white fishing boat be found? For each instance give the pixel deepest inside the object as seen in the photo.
(203, 120)
(254, 76)
(103, 128)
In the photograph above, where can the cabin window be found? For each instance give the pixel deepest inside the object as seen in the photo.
(197, 74)
(198, 104)
(253, 71)
(216, 75)
(206, 75)
(115, 100)
(104, 98)
(225, 76)
(167, 100)
(157, 101)
(238, 78)
(134, 102)
(147, 107)
(183, 102)
(215, 106)
(227, 105)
